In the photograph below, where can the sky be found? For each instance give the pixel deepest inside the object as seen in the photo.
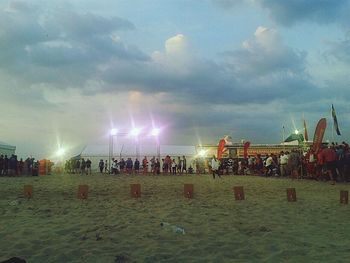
(198, 70)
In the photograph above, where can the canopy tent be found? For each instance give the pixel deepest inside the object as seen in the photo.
(7, 149)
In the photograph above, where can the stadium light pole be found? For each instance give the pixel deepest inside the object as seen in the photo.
(113, 132)
(135, 132)
(155, 132)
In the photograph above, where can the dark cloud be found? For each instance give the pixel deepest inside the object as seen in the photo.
(63, 47)
(291, 12)
(263, 70)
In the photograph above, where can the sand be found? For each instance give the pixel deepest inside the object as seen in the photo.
(54, 226)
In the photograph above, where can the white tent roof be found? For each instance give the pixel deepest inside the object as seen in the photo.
(144, 150)
(5, 145)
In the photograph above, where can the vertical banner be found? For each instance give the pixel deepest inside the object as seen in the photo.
(245, 149)
(221, 147)
(319, 132)
(335, 121)
(306, 136)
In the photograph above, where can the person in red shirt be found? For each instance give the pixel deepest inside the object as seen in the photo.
(329, 157)
(144, 165)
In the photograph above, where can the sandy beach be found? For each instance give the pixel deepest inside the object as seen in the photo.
(110, 226)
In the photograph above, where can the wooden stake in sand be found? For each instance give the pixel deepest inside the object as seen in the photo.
(291, 195)
(344, 197)
(28, 191)
(188, 190)
(239, 193)
(83, 191)
(135, 190)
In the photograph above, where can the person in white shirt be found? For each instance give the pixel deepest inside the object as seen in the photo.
(215, 166)
(269, 164)
(283, 163)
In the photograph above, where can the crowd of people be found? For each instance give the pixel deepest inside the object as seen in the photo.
(78, 166)
(166, 165)
(331, 162)
(11, 166)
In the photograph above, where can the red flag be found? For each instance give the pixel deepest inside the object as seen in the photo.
(306, 136)
(245, 149)
(221, 147)
(319, 132)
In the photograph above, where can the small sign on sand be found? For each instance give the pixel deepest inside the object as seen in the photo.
(83, 191)
(291, 195)
(188, 190)
(28, 191)
(344, 197)
(135, 190)
(239, 193)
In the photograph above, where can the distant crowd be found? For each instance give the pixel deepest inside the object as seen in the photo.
(154, 165)
(12, 166)
(331, 162)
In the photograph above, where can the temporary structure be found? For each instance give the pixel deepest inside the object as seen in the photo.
(7, 149)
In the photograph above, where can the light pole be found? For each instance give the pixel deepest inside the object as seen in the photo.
(155, 132)
(135, 133)
(113, 132)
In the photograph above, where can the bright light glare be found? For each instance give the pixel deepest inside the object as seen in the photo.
(60, 152)
(202, 153)
(135, 132)
(155, 132)
(296, 131)
(114, 132)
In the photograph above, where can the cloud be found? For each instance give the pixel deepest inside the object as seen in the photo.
(60, 47)
(291, 12)
(262, 70)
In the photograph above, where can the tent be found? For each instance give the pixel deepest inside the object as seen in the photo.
(7, 149)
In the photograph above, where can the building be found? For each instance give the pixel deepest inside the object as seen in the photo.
(7, 149)
(236, 150)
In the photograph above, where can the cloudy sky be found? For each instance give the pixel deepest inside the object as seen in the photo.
(71, 70)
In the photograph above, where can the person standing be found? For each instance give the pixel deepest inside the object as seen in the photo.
(173, 167)
(184, 164)
(88, 166)
(106, 166)
(215, 166)
(144, 165)
(157, 165)
(82, 166)
(283, 163)
(101, 165)
(137, 166)
(329, 156)
(179, 165)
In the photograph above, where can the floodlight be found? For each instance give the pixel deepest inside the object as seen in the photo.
(60, 152)
(296, 131)
(202, 153)
(155, 132)
(114, 132)
(135, 132)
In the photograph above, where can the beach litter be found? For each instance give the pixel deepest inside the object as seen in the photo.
(173, 228)
(14, 202)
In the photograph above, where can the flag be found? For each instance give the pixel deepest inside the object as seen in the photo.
(306, 136)
(220, 149)
(319, 132)
(335, 121)
(294, 137)
(245, 149)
